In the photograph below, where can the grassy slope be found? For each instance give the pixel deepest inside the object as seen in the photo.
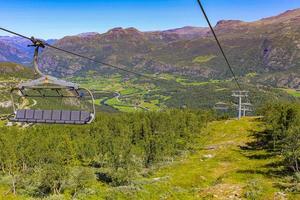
(218, 169)
(10, 75)
(229, 174)
(9, 70)
(292, 92)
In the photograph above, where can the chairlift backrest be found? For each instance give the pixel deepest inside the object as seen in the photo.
(51, 83)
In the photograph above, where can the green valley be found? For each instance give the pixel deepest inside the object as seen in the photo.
(208, 113)
(116, 92)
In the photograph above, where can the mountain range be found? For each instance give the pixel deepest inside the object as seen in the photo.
(268, 48)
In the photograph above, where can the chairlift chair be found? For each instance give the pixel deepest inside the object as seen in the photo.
(58, 86)
(221, 106)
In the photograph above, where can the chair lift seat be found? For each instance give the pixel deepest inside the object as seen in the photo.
(52, 116)
(46, 82)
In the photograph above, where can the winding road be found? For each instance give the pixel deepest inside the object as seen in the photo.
(117, 96)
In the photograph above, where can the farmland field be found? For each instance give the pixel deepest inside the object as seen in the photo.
(292, 92)
(115, 93)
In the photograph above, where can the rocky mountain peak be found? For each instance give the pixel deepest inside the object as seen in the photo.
(188, 32)
(290, 15)
(115, 30)
(132, 30)
(119, 31)
(88, 34)
(228, 23)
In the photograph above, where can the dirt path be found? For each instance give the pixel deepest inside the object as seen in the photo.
(25, 104)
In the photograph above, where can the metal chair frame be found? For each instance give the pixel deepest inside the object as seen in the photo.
(50, 83)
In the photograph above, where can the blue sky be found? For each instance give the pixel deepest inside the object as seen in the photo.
(57, 18)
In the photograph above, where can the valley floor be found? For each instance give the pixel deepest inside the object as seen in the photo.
(229, 165)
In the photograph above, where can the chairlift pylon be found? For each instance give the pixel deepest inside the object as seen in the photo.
(42, 86)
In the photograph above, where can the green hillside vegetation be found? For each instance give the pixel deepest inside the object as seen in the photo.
(293, 92)
(203, 59)
(10, 75)
(228, 163)
(159, 139)
(280, 79)
(12, 70)
(83, 161)
(171, 91)
(177, 154)
(282, 134)
(129, 94)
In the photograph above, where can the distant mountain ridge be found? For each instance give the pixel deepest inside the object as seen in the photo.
(189, 32)
(15, 49)
(267, 47)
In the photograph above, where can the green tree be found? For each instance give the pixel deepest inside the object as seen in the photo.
(291, 148)
(80, 178)
(52, 179)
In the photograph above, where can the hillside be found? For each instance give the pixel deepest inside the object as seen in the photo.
(222, 168)
(13, 70)
(15, 49)
(10, 75)
(227, 163)
(267, 47)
